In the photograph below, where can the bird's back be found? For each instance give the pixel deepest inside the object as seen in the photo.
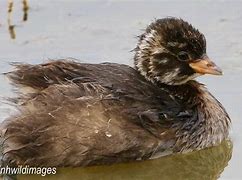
(85, 114)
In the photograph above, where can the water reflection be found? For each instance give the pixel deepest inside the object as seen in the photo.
(25, 10)
(11, 27)
(206, 164)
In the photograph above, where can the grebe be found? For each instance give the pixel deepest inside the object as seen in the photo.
(81, 114)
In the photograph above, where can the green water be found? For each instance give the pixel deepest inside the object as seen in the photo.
(207, 164)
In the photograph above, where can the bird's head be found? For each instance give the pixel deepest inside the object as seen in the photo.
(172, 51)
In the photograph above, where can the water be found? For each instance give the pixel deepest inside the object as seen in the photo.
(206, 164)
(106, 31)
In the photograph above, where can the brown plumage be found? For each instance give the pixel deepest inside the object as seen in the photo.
(86, 114)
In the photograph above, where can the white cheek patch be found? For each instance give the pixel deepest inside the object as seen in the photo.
(175, 78)
(183, 79)
(164, 61)
(169, 76)
(159, 61)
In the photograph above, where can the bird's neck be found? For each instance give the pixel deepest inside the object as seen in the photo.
(211, 124)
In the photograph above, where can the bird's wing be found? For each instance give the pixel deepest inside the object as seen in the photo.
(107, 111)
(118, 79)
(75, 80)
(42, 76)
(57, 129)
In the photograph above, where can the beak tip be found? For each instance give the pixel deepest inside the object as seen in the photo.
(206, 66)
(219, 71)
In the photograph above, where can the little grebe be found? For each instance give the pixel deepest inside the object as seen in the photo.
(88, 114)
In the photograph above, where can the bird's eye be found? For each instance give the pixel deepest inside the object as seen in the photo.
(183, 56)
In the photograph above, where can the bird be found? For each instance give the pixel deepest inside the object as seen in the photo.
(74, 114)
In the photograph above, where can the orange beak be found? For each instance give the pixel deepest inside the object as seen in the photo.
(205, 66)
